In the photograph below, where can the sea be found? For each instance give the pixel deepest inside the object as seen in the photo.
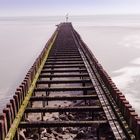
(113, 39)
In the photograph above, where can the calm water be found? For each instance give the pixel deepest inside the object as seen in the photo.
(115, 41)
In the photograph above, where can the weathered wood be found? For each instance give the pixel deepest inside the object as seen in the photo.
(63, 81)
(64, 66)
(65, 57)
(47, 124)
(65, 53)
(64, 63)
(60, 59)
(63, 75)
(63, 109)
(59, 98)
(63, 71)
(69, 54)
(39, 89)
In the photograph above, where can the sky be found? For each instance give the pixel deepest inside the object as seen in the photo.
(73, 7)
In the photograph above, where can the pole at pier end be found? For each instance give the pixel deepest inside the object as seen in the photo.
(67, 17)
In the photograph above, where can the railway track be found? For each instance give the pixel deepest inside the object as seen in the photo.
(70, 99)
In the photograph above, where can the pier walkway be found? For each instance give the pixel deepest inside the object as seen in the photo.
(68, 95)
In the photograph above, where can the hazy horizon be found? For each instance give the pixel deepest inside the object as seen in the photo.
(61, 7)
(63, 15)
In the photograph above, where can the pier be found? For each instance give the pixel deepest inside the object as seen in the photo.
(68, 83)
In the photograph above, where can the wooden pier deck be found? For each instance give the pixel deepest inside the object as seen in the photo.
(68, 95)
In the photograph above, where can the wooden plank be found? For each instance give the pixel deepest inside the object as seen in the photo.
(47, 124)
(63, 75)
(59, 98)
(53, 89)
(63, 109)
(64, 66)
(64, 63)
(65, 55)
(66, 59)
(63, 71)
(63, 81)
